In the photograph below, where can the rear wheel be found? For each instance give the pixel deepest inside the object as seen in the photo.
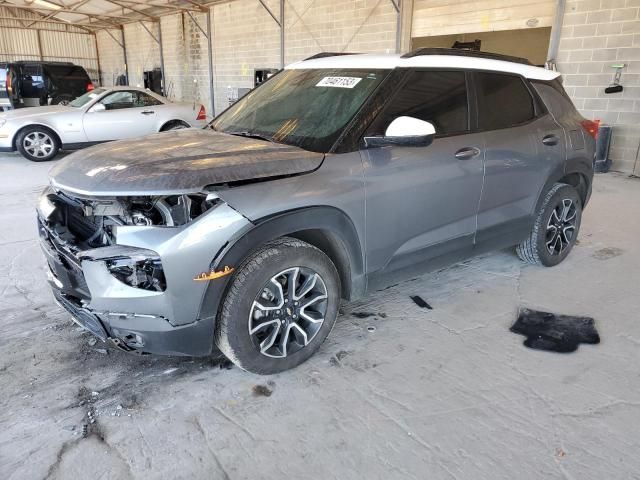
(175, 125)
(281, 305)
(556, 228)
(38, 144)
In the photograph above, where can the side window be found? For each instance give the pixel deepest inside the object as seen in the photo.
(146, 100)
(119, 100)
(503, 101)
(32, 82)
(439, 97)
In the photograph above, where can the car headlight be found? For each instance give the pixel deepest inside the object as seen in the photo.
(135, 267)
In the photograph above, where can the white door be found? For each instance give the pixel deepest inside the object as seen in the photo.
(121, 114)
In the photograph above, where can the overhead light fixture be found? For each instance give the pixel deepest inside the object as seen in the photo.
(44, 3)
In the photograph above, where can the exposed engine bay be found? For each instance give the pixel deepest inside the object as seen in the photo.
(85, 229)
(90, 223)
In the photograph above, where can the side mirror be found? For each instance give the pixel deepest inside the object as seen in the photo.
(404, 131)
(98, 107)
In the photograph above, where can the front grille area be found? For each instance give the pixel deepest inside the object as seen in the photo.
(63, 263)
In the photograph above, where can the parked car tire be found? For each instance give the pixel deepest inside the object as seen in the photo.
(280, 306)
(62, 100)
(556, 228)
(38, 144)
(175, 125)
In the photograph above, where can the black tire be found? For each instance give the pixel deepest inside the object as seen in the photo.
(62, 99)
(232, 335)
(551, 238)
(175, 125)
(49, 140)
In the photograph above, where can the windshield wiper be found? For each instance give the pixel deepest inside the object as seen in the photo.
(252, 135)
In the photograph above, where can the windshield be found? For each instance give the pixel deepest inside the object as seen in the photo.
(87, 97)
(305, 108)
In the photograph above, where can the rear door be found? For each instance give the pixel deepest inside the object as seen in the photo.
(14, 85)
(126, 114)
(523, 146)
(421, 202)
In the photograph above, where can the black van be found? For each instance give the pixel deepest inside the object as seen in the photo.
(32, 83)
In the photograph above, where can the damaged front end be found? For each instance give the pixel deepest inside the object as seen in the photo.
(124, 266)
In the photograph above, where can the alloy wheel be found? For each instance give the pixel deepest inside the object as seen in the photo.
(38, 144)
(288, 312)
(561, 227)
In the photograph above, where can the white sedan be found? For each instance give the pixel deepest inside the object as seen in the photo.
(101, 115)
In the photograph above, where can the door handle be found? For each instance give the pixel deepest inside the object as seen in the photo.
(550, 140)
(147, 112)
(467, 153)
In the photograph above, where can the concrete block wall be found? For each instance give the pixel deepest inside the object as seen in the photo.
(186, 58)
(245, 38)
(111, 56)
(338, 26)
(143, 52)
(595, 35)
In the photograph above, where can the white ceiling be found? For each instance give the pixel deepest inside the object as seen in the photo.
(104, 13)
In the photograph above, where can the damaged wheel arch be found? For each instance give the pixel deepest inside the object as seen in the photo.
(326, 228)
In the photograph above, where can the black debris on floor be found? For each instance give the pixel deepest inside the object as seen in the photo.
(418, 300)
(261, 391)
(554, 333)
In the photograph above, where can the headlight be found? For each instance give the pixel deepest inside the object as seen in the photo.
(136, 267)
(146, 274)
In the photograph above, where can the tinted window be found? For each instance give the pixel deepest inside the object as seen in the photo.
(32, 83)
(436, 97)
(128, 99)
(146, 100)
(504, 101)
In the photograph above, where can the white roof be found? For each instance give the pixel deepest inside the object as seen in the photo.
(388, 62)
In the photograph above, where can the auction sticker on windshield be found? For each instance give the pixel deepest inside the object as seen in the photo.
(338, 82)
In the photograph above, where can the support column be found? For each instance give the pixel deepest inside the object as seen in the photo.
(95, 42)
(282, 34)
(124, 51)
(39, 45)
(164, 80)
(556, 28)
(210, 51)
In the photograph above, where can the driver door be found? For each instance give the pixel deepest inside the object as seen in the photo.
(119, 115)
(422, 201)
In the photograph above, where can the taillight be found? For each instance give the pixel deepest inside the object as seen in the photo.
(8, 81)
(202, 114)
(90, 86)
(591, 126)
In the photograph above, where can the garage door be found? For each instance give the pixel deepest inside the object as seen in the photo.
(446, 17)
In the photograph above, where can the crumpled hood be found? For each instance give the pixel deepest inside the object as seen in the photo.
(182, 161)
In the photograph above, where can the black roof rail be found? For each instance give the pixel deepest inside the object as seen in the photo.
(465, 53)
(327, 54)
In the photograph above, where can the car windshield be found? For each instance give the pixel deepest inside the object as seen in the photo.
(305, 108)
(87, 97)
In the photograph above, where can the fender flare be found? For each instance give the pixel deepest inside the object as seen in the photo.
(576, 166)
(347, 251)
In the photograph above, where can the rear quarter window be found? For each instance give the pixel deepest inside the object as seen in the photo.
(555, 98)
(504, 101)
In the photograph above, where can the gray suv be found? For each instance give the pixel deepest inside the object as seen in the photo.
(337, 176)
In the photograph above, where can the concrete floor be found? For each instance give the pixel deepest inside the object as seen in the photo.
(447, 393)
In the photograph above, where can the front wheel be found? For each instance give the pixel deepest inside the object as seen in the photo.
(556, 228)
(280, 306)
(37, 144)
